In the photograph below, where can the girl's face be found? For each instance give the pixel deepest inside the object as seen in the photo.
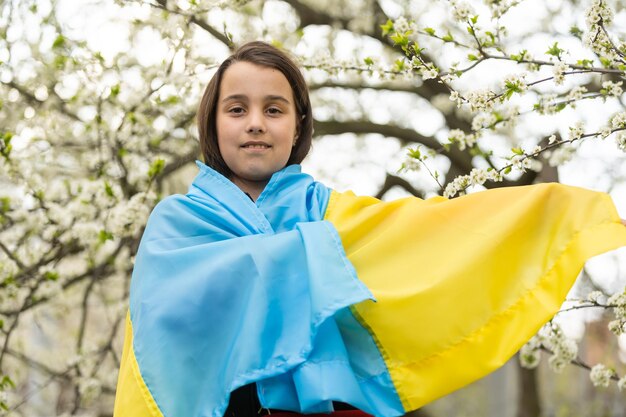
(256, 124)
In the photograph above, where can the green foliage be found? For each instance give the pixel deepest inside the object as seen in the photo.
(5, 383)
(103, 236)
(59, 42)
(115, 90)
(51, 275)
(521, 56)
(156, 167)
(576, 31)
(415, 153)
(399, 65)
(555, 51)
(387, 28)
(401, 39)
(5, 205)
(5, 144)
(491, 41)
(108, 189)
(448, 37)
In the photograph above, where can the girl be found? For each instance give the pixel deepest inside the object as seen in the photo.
(263, 290)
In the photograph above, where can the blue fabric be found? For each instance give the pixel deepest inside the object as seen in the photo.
(226, 291)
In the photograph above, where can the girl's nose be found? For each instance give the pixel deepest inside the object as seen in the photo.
(255, 129)
(256, 124)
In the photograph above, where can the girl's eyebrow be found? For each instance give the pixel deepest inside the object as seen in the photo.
(267, 98)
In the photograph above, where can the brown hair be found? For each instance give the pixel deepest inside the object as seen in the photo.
(259, 53)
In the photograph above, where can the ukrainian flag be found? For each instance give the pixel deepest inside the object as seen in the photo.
(318, 296)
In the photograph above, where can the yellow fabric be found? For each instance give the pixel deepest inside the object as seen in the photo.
(461, 284)
(133, 399)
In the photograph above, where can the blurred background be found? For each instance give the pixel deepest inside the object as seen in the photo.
(97, 123)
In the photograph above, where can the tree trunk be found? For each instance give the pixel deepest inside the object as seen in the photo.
(528, 404)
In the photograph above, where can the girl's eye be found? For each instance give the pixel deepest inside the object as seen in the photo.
(274, 110)
(236, 110)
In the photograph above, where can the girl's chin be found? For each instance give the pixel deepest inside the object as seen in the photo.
(256, 175)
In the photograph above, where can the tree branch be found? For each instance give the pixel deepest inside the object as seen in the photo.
(396, 181)
(406, 136)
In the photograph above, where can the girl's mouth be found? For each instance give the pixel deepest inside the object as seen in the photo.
(255, 145)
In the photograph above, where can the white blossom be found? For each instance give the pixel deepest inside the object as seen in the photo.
(480, 100)
(363, 21)
(521, 162)
(616, 327)
(499, 7)
(516, 82)
(605, 131)
(560, 156)
(462, 140)
(401, 25)
(547, 104)
(621, 384)
(483, 120)
(139, 173)
(551, 139)
(127, 218)
(599, 42)
(595, 296)
(576, 93)
(557, 363)
(529, 358)
(89, 388)
(494, 175)
(429, 73)
(618, 120)
(49, 289)
(620, 140)
(87, 233)
(558, 70)
(598, 11)
(564, 350)
(80, 209)
(7, 266)
(74, 360)
(612, 89)
(576, 131)
(600, 375)
(458, 185)
(456, 136)
(510, 115)
(456, 97)
(618, 300)
(410, 164)
(530, 352)
(461, 10)
(477, 176)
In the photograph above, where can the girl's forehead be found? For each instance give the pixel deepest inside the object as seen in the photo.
(248, 78)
